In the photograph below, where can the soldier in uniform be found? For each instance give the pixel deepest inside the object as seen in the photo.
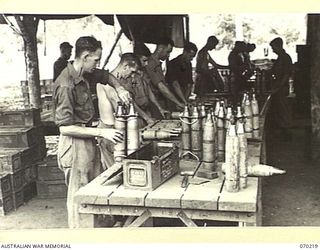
(78, 156)
(281, 72)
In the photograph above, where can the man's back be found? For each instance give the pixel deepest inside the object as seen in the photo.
(58, 66)
(202, 60)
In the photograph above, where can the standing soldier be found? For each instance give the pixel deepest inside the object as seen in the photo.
(62, 61)
(281, 71)
(238, 68)
(73, 113)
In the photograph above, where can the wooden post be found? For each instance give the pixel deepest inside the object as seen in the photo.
(313, 38)
(112, 49)
(28, 26)
(187, 28)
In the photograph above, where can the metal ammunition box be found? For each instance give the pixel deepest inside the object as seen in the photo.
(150, 166)
(23, 117)
(18, 137)
(164, 124)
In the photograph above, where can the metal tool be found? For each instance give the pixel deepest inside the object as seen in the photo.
(185, 180)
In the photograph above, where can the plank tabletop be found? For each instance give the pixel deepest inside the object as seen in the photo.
(128, 197)
(204, 196)
(243, 201)
(167, 195)
(96, 192)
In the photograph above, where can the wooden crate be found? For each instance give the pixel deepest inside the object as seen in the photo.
(49, 170)
(23, 117)
(29, 191)
(150, 166)
(15, 159)
(19, 137)
(10, 160)
(5, 185)
(18, 199)
(52, 189)
(30, 174)
(166, 124)
(6, 205)
(39, 150)
(17, 180)
(33, 154)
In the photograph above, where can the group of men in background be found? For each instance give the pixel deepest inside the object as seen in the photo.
(159, 86)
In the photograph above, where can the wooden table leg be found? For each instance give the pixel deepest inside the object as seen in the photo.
(129, 220)
(141, 219)
(258, 214)
(186, 220)
(87, 220)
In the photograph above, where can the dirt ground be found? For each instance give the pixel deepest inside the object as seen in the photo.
(292, 199)
(37, 214)
(288, 200)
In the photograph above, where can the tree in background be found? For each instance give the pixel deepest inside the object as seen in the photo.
(27, 29)
(289, 34)
(255, 30)
(226, 29)
(28, 26)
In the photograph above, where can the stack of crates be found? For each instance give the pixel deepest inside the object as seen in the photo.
(50, 180)
(22, 145)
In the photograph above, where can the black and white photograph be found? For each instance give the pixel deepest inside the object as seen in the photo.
(159, 120)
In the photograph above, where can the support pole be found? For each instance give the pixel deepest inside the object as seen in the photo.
(112, 49)
(187, 29)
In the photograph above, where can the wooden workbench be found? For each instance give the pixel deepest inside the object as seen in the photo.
(206, 201)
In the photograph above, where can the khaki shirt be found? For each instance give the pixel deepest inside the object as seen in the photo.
(154, 71)
(72, 96)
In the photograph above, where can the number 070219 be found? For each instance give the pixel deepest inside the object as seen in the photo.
(308, 246)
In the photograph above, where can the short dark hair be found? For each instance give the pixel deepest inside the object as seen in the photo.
(87, 43)
(165, 41)
(190, 46)
(240, 45)
(65, 45)
(278, 42)
(131, 59)
(213, 39)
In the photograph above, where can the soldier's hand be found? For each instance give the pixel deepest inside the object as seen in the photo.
(112, 135)
(124, 95)
(164, 113)
(180, 106)
(150, 121)
(192, 96)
